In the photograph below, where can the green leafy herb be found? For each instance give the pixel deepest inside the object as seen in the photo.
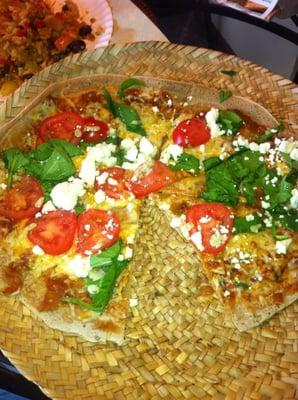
(120, 156)
(127, 84)
(127, 114)
(83, 145)
(242, 285)
(229, 72)
(230, 122)
(224, 95)
(186, 162)
(108, 262)
(286, 218)
(113, 139)
(14, 160)
(106, 257)
(270, 133)
(211, 162)
(80, 208)
(253, 224)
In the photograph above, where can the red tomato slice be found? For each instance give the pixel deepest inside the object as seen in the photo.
(65, 125)
(215, 223)
(97, 230)
(23, 200)
(54, 232)
(114, 185)
(94, 130)
(191, 132)
(159, 177)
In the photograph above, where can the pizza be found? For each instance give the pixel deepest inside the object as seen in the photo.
(73, 188)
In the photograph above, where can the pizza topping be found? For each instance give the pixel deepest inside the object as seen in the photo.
(212, 226)
(211, 119)
(65, 194)
(172, 152)
(282, 246)
(114, 184)
(186, 162)
(66, 126)
(103, 230)
(128, 84)
(159, 177)
(54, 232)
(229, 122)
(13, 275)
(94, 130)
(191, 133)
(23, 200)
(38, 251)
(80, 266)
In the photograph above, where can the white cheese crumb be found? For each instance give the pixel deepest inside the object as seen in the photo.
(80, 266)
(93, 289)
(294, 198)
(294, 154)
(146, 147)
(38, 251)
(130, 239)
(211, 118)
(264, 147)
(155, 109)
(95, 274)
(265, 204)
(100, 179)
(250, 217)
(253, 146)
(65, 194)
(226, 293)
(196, 238)
(47, 207)
(175, 222)
(127, 144)
(3, 186)
(99, 196)
(172, 151)
(128, 253)
(282, 246)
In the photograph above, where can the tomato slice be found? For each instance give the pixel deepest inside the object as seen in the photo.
(23, 200)
(114, 185)
(54, 232)
(191, 132)
(214, 222)
(159, 177)
(65, 125)
(97, 230)
(94, 131)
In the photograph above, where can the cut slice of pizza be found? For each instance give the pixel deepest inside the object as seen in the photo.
(237, 204)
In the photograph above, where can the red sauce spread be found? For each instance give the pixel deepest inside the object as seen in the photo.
(13, 275)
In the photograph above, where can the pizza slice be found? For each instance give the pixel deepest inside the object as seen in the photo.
(237, 204)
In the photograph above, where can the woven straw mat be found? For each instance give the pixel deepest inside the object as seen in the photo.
(180, 342)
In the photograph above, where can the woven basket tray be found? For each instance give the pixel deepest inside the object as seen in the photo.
(180, 342)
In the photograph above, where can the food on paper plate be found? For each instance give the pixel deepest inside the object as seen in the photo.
(71, 195)
(33, 36)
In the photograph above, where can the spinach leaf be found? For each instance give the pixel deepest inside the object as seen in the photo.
(106, 257)
(230, 122)
(112, 267)
(14, 160)
(253, 224)
(286, 218)
(120, 156)
(186, 162)
(127, 114)
(79, 208)
(229, 72)
(224, 95)
(127, 84)
(211, 162)
(113, 139)
(270, 133)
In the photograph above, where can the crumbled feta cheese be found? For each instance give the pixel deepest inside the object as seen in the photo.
(102, 153)
(130, 239)
(47, 207)
(211, 118)
(127, 144)
(80, 266)
(250, 217)
(132, 154)
(155, 109)
(240, 142)
(101, 179)
(146, 147)
(287, 146)
(217, 239)
(265, 204)
(175, 222)
(95, 274)
(253, 146)
(294, 198)
(226, 293)
(93, 289)
(128, 253)
(264, 147)
(120, 257)
(99, 196)
(172, 151)
(164, 206)
(268, 222)
(112, 181)
(65, 194)
(87, 227)
(282, 246)
(294, 154)
(38, 251)
(196, 238)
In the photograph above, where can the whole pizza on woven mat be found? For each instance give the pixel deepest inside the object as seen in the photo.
(73, 184)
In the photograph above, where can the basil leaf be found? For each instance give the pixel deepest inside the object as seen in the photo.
(128, 83)
(83, 145)
(110, 104)
(254, 224)
(230, 122)
(229, 72)
(211, 162)
(286, 218)
(79, 208)
(270, 133)
(120, 156)
(106, 256)
(224, 95)
(113, 139)
(278, 192)
(128, 115)
(131, 119)
(14, 160)
(186, 162)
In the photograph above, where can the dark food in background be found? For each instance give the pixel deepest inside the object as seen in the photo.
(32, 36)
